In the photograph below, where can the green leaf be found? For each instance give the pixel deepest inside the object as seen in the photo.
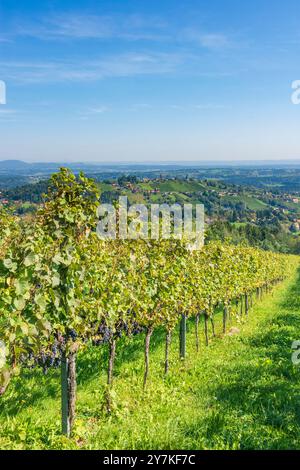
(7, 263)
(24, 328)
(21, 286)
(55, 280)
(30, 259)
(19, 303)
(10, 265)
(40, 301)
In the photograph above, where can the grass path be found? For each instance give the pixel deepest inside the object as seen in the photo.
(241, 392)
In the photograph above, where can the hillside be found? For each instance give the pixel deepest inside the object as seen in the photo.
(240, 214)
(241, 392)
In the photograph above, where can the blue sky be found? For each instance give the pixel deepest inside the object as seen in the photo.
(149, 80)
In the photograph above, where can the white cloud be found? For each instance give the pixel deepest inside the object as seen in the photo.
(98, 110)
(214, 41)
(72, 25)
(133, 27)
(141, 106)
(206, 40)
(125, 65)
(89, 112)
(7, 111)
(205, 106)
(210, 106)
(8, 115)
(179, 107)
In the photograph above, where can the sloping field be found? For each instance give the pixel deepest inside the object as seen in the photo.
(240, 392)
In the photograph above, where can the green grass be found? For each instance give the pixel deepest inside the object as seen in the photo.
(146, 186)
(239, 224)
(241, 392)
(252, 203)
(164, 187)
(106, 187)
(180, 186)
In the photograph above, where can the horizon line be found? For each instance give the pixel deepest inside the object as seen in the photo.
(153, 162)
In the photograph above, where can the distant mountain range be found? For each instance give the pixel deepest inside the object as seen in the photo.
(44, 168)
(281, 176)
(21, 168)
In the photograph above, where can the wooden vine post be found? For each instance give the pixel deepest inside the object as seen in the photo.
(147, 349)
(246, 304)
(111, 360)
(197, 331)
(110, 371)
(168, 342)
(225, 315)
(212, 326)
(68, 392)
(206, 328)
(182, 336)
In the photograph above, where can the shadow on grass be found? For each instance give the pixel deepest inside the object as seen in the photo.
(33, 386)
(27, 389)
(128, 350)
(260, 395)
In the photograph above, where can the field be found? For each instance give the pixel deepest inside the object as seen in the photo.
(240, 392)
(179, 186)
(250, 202)
(253, 203)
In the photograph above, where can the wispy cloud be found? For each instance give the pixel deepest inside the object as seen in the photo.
(141, 106)
(204, 107)
(206, 40)
(88, 113)
(183, 47)
(98, 110)
(8, 112)
(214, 41)
(72, 25)
(207, 106)
(112, 66)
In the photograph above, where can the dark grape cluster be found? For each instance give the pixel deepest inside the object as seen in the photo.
(128, 329)
(137, 329)
(44, 359)
(102, 335)
(71, 334)
(50, 357)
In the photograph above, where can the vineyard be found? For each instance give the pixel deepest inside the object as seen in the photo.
(63, 290)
